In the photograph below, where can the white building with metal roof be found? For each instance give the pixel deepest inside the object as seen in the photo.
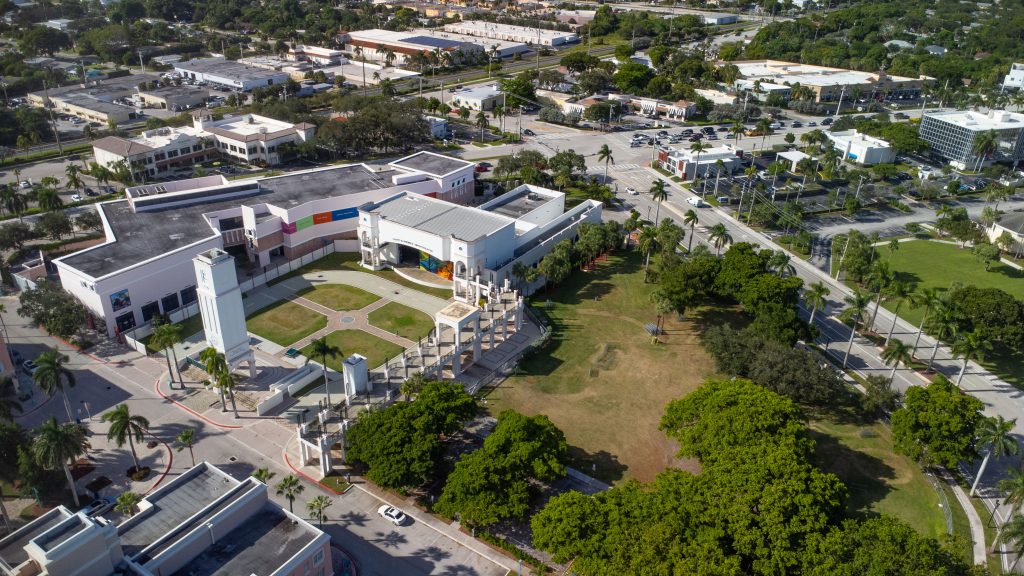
(465, 243)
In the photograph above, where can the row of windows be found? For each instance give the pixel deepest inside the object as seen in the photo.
(169, 303)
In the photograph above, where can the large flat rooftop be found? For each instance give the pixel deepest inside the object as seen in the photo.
(147, 234)
(433, 164)
(12, 548)
(258, 547)
(226, 69)
(249, 124)
(793, 72)
(980, 121)
(439, 217)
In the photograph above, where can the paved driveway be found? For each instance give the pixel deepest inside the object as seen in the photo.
(383, 549)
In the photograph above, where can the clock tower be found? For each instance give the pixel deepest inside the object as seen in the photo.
(220, 303)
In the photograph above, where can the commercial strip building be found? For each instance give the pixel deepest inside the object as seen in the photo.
(952, 134)
(315, 54)
(405, 44)
(469, 244)
(685, 163)
(861, 148)
(829, 84)
(202, 523)
(221, 72)
(145, 265)
(96, 101)
(247, 138)
(1015, 79)
(509, 33)
(175, 98)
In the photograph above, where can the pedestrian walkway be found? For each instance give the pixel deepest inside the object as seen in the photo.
(347, 320)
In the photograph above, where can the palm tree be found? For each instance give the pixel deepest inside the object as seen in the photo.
(214, 363)
(690, 218)
(125, 426)
(126, 503)
(290, 488)
(927, 298)
(972, 346)
(16, 203)
(984, 144)
(48, 199)
(226, 382)
(719, 236)
(764, 126)
(815, 296)
(605, 155)
(896, 352)
(719, 166)
(165, 337)
(647, 241)
(51, 375)
(944, 325)
(898, 291)
(8, 399)
(55, 445)
(74, 181)
(737, 131)
(186, 439)
(1013, 531)
(358, 52)
(659, 193)
(1012, 488)
(781, 264)
(263, 475)
(699, 148)
(482, 123)
(879, 279)
(317, 508)
(856, 309)
(996, 434)
(323, 350)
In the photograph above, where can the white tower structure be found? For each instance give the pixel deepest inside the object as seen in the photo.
(220, 303)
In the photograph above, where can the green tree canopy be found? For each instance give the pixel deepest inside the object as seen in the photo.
(936, 424)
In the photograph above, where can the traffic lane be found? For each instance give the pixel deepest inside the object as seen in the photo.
(382, 548)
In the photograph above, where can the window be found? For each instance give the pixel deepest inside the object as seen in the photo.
(170, 302)
(172, 153)
(160, 156)
(184, 150)
(318, 557)
(125, 322)
(197, 148)
(150, 310)
(188, 295)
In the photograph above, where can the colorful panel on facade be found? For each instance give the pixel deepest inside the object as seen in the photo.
(345, 214)
(288, 227)
(303, 223)
(321, 218)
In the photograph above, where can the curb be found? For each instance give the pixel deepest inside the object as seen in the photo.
(310, 478)
(191, 411)
(170, 462)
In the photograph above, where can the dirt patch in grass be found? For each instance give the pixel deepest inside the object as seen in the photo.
(376, 350)
(879, 480)
(339, 296)
(402, 320)
(601, 379)
(285, 322)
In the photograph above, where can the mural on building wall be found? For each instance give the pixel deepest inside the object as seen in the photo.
(120, 300)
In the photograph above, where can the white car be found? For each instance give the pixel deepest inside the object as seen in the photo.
(632, 191)
(392, 514)
(76, 197)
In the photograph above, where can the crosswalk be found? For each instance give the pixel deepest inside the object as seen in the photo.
(614, 168)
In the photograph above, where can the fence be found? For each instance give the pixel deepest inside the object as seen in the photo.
(943, 501)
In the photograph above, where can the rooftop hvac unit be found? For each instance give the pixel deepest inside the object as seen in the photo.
(143, 192)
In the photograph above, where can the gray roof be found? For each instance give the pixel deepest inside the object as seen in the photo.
(440, 217)
(258, 547)
(226, 69)
(12, 550)
(1014, 222)
(172, 505)
(433, 164)
(141, 236)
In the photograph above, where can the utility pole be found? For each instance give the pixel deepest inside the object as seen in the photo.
(856, 196)
(840, 105)
(142, 63)
(839, 267)
(53, 122)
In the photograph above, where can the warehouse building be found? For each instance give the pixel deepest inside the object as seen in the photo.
(831, 84)
(315, 55)
(145, 265)
(477, 97)
(952, 134)
(507, 32)
(404, 44)
(97, 101)
(228, 74)
(175, 98)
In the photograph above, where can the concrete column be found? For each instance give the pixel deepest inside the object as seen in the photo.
(519, 314)
(491, 330)
(477, 340)
(325, 458)
(456, 362)
(504, 326)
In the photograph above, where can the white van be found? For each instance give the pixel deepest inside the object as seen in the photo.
(697, 202)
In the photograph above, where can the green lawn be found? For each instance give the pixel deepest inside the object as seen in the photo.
(189, 326)
(933, 264)
(601, 379)
(350, 261)
(285, 322)
(402, 320)
(879, 480)
(376, 350)
(339, 296)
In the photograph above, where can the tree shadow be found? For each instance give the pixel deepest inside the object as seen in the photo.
(433, 553)
(459, 570)
(909, 277)
(602, 464)
(864, 475)
(391, 539)
(352, 518)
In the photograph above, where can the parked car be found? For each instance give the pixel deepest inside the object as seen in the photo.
(99, 506)
(30, 367)
(90, 192)
(529, 132)
(812, 124)
(76, 197)
(25, 185)
(797, 124)
(724, 200)
(632, 191)
(826, 122)
(392, 514)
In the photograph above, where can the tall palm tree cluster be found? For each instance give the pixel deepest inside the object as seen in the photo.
(221, 377)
